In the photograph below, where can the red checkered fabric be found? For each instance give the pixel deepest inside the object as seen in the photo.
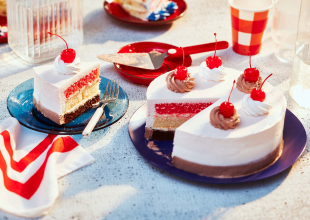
(247, 30)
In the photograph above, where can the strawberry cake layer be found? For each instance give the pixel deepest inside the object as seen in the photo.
(62, 98)
(167, 110)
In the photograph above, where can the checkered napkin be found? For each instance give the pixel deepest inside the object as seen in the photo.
(247, 30)
(30, 164)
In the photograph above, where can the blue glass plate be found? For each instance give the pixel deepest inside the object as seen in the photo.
(294, 135)
(21, 107)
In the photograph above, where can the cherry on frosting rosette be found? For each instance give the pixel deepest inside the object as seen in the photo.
(180, 80)
(253, 104)
(225, 116)
(212, 69)
(249, 79)
(66, 63)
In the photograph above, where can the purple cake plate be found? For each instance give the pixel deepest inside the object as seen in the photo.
(294, 135)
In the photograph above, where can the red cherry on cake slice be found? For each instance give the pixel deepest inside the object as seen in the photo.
(227, 109)
(215, 61)
(259, 94)
(67, 55)
(181, 72)
(251, 74)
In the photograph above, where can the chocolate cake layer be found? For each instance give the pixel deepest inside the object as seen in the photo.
(158, 135)
(229, 171)
(72, 115)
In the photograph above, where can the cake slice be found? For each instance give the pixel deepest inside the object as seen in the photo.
(148, 9)
(62, 98)
(167, 110)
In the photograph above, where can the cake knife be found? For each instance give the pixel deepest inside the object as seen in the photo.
(154, 59)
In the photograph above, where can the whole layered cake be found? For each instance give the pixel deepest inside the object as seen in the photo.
(68, 88)
(211, 145)
(212, 136)
(152, 10)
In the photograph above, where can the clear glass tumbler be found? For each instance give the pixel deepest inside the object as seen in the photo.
(284, 28)
(30, 20)
(300, 79)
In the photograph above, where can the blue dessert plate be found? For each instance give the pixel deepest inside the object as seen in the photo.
(20, 106)
(158, 153)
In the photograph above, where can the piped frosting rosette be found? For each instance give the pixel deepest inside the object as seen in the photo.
(218, 120)
(254, 108)
(247, 87)
(215, 74)
(179, 86)
(67, 68)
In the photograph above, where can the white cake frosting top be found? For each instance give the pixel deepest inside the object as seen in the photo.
(254, 108)
(67, 68)
(215, 74)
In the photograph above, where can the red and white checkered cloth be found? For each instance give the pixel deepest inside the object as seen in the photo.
(247, 30)
(30, 164)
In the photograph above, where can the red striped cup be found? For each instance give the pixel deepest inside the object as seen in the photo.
(248, 19)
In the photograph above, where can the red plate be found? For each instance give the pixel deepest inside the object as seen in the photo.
(3, 22)
(117, 12)
(143, 76)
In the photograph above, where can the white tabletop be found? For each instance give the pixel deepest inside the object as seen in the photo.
(121, 184)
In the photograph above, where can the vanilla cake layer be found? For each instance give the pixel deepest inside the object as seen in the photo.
(85, 93)
(171, 121)
(203, 147)
(51, 96)
(204, 92)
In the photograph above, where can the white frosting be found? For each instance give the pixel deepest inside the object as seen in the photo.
(67, 68)
(254, 137)
(49, 86)
(203, 91)
(254, 108)
(216, 74)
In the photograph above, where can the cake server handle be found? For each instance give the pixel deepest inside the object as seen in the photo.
(177, 52)
(93, 121)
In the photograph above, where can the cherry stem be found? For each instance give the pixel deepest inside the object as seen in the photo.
(250, 57)
(60, 37)
(183, 56)
(215, 44)
(231, 90)
(264, 81)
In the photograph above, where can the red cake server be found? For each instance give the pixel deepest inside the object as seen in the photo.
(146, 76)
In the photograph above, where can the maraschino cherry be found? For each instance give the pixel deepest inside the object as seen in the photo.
(181, 73)
(251, 74)
(227, 109)
(67, 55)
(259, 94)
(215, 61)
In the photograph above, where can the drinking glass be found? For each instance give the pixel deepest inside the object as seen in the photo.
(300, 78)
(284, 28)
(30, 20)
